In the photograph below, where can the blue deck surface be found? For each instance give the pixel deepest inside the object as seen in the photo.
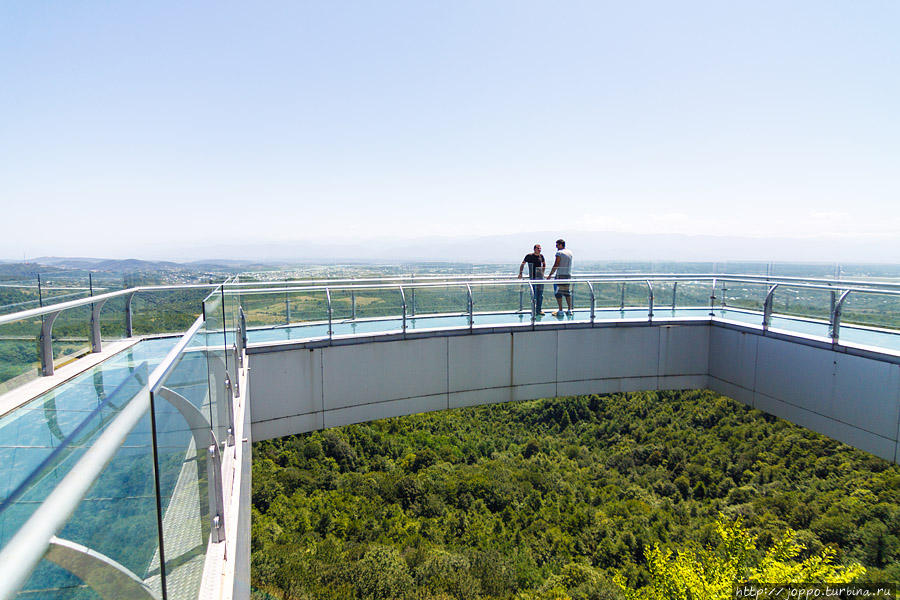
(318, 330)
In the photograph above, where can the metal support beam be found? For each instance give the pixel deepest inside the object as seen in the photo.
(353, 304)
(674, 292)
(195, 419)
(129, 315)
(330, 313)
(287, 309)
(593, 301)
(216, 492)
(229, 407)
(622, 303)
(470, 305)
(533, 302)
(712, 299)
(243, 329)
(107, 578)
(403, 306)
(96, 340)
(235, 353)
(767, 307)
(835, 325)
(46, 341)
(412, 302)
(650, 292)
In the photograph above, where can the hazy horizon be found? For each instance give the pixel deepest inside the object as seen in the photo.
(502, 249)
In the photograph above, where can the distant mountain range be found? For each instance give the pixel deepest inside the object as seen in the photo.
(507, 249)
(592, 246)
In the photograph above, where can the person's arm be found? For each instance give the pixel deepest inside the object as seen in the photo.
(555, 266)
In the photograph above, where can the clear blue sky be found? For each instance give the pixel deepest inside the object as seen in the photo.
(127, 128)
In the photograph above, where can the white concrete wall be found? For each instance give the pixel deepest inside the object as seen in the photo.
(854, 399)
(297, 390)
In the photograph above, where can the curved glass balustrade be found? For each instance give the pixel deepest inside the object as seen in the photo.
(161, 414)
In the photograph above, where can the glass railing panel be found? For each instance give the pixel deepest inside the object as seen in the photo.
(374, 303)
(181, 409)
(18, 296)
(435, 300)
(112, 319)
(306, 306)
(342, 306)
(498, 298)
(741, 295)
(117, 518)
(266, 309)
(20, 359)
(166, 311)
(71, 335)
(871, 310)
(690, 294)
(664, 296)
(109, 520)
(808, 303)
(45, 437)
(213, 333)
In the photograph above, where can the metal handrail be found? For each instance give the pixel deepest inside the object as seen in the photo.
(61, 306)
(592, 276)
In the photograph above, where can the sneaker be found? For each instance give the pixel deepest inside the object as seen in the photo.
(569, 313)
(558, 313)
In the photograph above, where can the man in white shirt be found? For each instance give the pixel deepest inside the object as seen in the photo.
(562, 267)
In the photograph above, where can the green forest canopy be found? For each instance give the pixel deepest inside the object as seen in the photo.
(555, 498)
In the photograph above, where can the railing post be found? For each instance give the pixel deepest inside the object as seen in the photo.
(533, 302)
(403, 306)
(622, 303)
(650, 292)
(522, 300)
(46, 342)
(229, 407)
(287, 309)
(96, 339)
(593, 302)
(353, 304)
(235, 353)
(330, 313)
(712, 299)
(129, 315)
(412, 302)
(243, 329)
(216, 492)
(724, 289)
(836, 317)
(470, 305)
(767, 307)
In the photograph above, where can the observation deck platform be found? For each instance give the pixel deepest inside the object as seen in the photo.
(130, 479)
